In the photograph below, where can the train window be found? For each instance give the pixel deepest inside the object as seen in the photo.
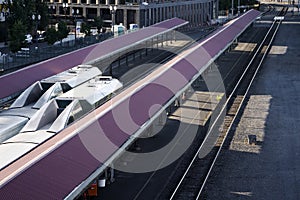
(71, 119)
(63, 103)
(104, 79)
(85, 66)
(71, 71)
(57, 91)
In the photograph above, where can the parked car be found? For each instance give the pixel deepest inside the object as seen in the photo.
(28, 39)
(94, 31)
(39, 37)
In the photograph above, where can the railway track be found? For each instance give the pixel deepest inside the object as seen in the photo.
(192, 183)
(161, 57)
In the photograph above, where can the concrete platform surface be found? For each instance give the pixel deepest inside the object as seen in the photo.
(269, 168)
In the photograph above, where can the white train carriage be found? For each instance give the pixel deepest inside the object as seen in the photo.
(94, 91)
(38, 94)
(56, 115)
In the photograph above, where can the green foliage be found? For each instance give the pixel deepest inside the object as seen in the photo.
(2, 32)
(62, 30)
(98, 22)
(17, 36)
(42, 9)
(51, 36)
(226, 4)
(20, 19)
(86, 28)
(22, 10)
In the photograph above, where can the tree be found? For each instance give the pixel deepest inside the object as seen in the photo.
(86, 28)
(17, 36)
(2, 32)
(98, 22)
(41, 9)
(62, 31)
(22, 10)
(51, 36)
(227, 4)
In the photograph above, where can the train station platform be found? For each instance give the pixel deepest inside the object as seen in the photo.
(199, 103)
(263, 157)
(78, 154)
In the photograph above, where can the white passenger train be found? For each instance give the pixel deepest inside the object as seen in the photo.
(38, 94)
(57, 114)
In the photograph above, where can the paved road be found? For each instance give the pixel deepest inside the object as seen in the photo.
(271, 168)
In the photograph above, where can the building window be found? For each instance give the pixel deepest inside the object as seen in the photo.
(93, 1)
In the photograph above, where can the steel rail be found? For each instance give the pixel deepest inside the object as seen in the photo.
(222, 110)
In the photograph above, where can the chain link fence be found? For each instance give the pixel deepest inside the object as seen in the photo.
(34, 54)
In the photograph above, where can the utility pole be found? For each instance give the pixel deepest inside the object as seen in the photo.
(231, 8)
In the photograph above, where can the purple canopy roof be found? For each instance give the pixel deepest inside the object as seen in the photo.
(23, 78)
(97, 136)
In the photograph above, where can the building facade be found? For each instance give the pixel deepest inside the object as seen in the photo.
(197, 12)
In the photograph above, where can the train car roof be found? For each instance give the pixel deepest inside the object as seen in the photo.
(26, 111)
(12, 151)
(74, 76)
(93, 90)
(30, 137)
(20, 144)
(8, 124)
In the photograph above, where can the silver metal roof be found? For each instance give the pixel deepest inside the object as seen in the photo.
(26, 111)
(12, 151)
(54, 91)
(13, 120)
(9, 125)
(30, 137)
(33, 98)
(31, 94)
(61, 122)
(41, 118)
(47, 118)
(93, 90)
(17, 146)
(74, 76)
